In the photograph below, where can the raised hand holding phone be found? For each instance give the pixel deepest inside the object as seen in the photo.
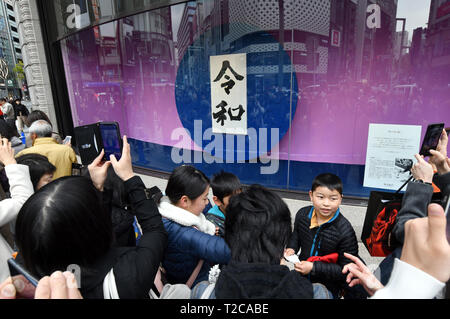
(422, 170)
(123, 167)
(431, 139)
(98, 171)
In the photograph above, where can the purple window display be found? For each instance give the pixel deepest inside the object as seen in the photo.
(349, 73)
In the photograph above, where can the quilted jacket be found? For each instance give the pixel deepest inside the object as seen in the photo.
(187, 245)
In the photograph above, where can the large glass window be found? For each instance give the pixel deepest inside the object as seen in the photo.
(318, 72)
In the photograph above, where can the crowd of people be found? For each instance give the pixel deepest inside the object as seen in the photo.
(240, 247)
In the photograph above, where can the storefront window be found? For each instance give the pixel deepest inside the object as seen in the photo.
(316, 74)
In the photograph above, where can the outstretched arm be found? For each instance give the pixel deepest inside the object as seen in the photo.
(21, 187)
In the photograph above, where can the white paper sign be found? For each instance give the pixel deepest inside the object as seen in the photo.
(229, 93)
(390, 154)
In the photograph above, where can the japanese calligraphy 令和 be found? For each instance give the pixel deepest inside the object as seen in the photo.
(229, 93)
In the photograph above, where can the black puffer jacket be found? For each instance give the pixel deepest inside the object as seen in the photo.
(261, 281)
(335, 236)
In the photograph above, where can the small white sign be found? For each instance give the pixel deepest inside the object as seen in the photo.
(390, 154)
(229, 93)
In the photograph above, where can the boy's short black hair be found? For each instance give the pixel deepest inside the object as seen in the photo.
(328, 180)
(224, 184)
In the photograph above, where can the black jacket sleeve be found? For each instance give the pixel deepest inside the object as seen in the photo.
(414, 205)
(135, 270)
(443, 182)
(294, 241)
(348, 243)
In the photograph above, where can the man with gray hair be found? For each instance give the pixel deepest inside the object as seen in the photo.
(61, 156)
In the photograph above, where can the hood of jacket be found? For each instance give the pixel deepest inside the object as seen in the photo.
(261, 281)
(184, 217)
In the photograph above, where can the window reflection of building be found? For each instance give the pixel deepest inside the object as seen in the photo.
(10, 50)
(302, 28)
(306, 29)
(438, 42)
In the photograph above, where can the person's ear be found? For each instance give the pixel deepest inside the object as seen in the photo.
(217, 201)
(184, 202)
(311, 195)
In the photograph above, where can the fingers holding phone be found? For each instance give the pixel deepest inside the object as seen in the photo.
(98, 171)
(123, 167)
(422, 170)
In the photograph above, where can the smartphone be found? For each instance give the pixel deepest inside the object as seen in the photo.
(16, 269)
(431, 139)
(87, 141)
(67, 140)
(90, 139)
(111, 139)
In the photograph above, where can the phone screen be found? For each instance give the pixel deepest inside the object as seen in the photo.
(431, 139)
(111, 140)
(67, 140)
(17, 272)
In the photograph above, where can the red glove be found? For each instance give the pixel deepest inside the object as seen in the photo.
(330, 259)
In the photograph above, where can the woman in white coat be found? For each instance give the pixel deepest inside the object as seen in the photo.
(21, 189)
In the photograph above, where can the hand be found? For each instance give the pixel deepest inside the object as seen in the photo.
(217, 231)
(123, 167)
(426, 246)
(303, 267)
(98, 171)
(289, 252)
(6, 152)
(422, 170)
(58, 286)
(441, 162)
(359, 274)
(439, 156)
(16, 287)
(443, 142)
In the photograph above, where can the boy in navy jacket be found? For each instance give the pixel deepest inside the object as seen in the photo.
(321, 232)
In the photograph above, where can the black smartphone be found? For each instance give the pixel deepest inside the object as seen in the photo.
(431, 139)
(88, 141)
(111, 139)
(92, 138)
(16, 269)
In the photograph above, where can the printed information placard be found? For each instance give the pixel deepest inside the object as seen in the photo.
(390, 154)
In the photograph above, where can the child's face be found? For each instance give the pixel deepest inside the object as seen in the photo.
(226, 200)
(326, 202)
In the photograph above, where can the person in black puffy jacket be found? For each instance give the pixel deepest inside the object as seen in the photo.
(321, 230)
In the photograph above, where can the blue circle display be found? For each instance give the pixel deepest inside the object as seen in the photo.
(270, 104)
